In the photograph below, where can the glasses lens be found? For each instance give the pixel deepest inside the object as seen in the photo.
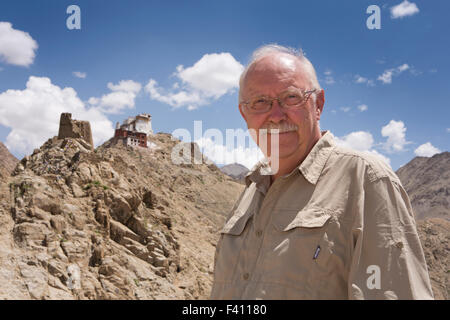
(259, 104)
(293, 99)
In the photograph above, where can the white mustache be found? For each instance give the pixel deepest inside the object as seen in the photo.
(273, 128)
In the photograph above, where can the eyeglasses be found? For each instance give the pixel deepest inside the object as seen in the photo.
(287, 100)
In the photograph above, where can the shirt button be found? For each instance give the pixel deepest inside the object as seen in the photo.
(246, 276)
(259, 233)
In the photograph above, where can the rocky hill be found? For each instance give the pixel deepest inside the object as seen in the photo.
(235, 170)
(7, 162)
(113, 223)
(427, 181)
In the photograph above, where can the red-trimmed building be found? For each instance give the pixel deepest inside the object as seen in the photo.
(134, 131)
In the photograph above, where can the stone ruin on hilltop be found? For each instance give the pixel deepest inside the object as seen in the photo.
(69, 128)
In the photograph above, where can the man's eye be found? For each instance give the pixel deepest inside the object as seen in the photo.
(260, 100)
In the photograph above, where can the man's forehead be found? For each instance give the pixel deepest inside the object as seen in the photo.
(278, 69)
(276, 62)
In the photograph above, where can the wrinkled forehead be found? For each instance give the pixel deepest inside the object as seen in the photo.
(275, 72)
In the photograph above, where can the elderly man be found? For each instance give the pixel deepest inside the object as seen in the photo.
(325, 222)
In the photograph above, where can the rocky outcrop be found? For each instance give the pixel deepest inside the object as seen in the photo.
(7, 162)
(434, 235)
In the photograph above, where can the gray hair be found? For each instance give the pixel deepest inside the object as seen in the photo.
(269, 49)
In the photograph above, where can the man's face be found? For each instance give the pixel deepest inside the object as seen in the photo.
(271, 76)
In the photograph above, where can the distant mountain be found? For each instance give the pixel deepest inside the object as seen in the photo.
(7, 162)
(236, 171)
(427, 181)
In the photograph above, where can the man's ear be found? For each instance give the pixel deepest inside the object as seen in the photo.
(320, 101)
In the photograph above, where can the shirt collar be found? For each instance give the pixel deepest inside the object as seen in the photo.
(311, 167)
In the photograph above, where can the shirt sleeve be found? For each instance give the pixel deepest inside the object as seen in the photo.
(387, 260)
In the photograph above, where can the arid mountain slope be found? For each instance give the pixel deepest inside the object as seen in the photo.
(114, 223)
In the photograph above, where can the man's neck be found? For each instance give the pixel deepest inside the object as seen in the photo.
(286, 165)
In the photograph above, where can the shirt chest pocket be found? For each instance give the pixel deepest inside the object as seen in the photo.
(297, 247)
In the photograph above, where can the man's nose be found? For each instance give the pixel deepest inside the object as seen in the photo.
(277, 113)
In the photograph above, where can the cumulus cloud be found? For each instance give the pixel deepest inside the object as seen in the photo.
(123, 96)
(208, 79)
(78, 74)
(16, 47)
(363, 107)
(361, 79)
(387, 75)
(395, 131)
(345, 109)
(361, 141)
(404, 9)
(33, 114)
(358, 140)
(426, 150)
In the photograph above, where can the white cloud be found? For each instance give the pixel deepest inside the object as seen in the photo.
(448, 130)
(395, 133)
(345, 109)
(328, 77)
(404, 9)
(16, 47)
(178, 99)
(220, 154)
(360, 79)
(358, 140)
(125, 85)
(363, 107)
(78, 74)
(329, 80)
(403, 67)
(361, 141)
(122, 96)
(387, 75)
(426, 150)
(208, 79)
(33, 114)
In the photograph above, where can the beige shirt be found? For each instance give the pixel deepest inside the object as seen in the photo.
(340, 226)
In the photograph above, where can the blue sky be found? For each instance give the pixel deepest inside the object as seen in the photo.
(399, 72)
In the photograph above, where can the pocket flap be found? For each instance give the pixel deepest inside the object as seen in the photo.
(236, 224)
(312, 217)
